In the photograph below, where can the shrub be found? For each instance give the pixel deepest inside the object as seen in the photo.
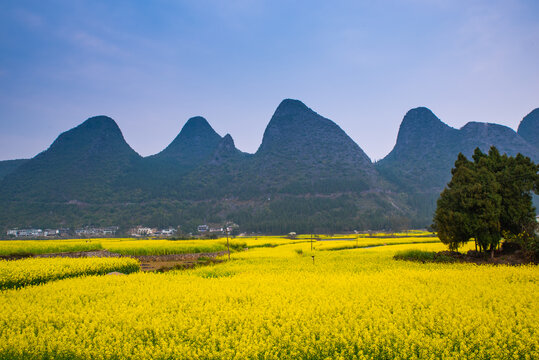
(235, 245)
(528, 242)
(415, 255)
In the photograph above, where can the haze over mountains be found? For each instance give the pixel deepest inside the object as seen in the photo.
(308, 175)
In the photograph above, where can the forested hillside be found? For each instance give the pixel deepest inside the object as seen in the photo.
(307, 175)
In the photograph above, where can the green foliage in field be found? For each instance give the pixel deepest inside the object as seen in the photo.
(422, 256)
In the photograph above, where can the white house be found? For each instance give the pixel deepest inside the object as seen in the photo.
(26, 232)
(168, 232)
(12, 232)
(143, 231)
(94, 231)
(51, 232)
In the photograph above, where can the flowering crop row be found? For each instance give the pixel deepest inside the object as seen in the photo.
(121, 246)
(363, 242)
(32, 271)
(21, 247)
(165, 247)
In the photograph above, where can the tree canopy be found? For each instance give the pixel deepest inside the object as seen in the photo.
(486, 198)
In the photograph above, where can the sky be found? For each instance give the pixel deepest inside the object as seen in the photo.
(151, 65)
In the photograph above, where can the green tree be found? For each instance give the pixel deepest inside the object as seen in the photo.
(485, 198)
(451, 220)
(517, 177)
(469, 207)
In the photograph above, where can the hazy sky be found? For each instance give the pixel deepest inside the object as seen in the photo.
(151, 65)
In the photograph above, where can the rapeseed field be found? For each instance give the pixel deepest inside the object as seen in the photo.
(282, 302)
(134, 247)
(137, 247)
(163, 247)
(22, 247)
(32, 271)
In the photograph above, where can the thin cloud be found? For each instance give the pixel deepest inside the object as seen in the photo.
(92, 43)
(28, 18)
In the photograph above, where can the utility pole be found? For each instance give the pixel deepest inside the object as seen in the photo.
(312, 254)
(227, 243)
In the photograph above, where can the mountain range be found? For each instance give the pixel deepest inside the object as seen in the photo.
(426, 148)
(308, 175)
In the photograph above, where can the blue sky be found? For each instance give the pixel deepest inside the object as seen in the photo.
(151, 65)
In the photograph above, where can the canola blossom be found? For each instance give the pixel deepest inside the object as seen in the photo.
(31, 271)
(269, 241)
(277, 303)
(137, 247)
(409, 233)
(133, 247)
(365, 242)
(163, 247)
(21, 247)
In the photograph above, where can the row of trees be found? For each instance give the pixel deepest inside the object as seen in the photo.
(487, 198)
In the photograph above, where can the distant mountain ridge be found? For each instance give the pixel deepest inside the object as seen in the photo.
(89, 159)
(529, 128)
(8, 166)
(427, 148)
(298, 141)
(307, 175)
(196, 141)
(295, 127)
(225, 151)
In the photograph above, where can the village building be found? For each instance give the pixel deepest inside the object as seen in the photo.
(231, 227)
(25, 232)
(147, 231)
(168, 232)
(97, 231)
(38, 232)
(143, 231)
(12, 232)
(51, 232)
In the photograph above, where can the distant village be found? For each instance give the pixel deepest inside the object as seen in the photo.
(112, 231)
(63, 233)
